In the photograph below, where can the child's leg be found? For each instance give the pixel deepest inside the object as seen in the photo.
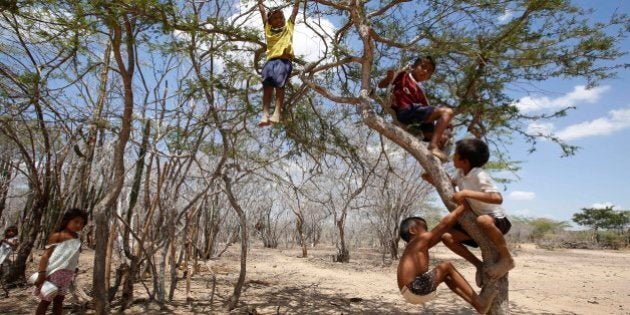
(505, 262)
(267, 92)
(447, 273)
(279, 104)
(453, 240)
(42, 307)
(58, 304)
(443, 115)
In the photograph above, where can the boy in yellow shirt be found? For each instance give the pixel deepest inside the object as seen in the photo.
(275, 73)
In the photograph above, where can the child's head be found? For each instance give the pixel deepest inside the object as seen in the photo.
(471, 153)
(73, 220)
(11, 231)
(423, 68)
(410, 226)
(275, 17)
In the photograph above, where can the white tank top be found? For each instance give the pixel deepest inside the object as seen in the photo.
(65, 256)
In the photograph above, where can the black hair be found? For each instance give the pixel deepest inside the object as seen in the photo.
(421, 59)
(407, 224)
(9, 229)
(71, 214)
(273, 11)
(474, 151)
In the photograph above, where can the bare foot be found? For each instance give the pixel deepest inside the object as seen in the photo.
(502, 267)
(264, 121)
(485, 298)
(275, 119)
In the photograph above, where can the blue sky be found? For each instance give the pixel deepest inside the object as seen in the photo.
(555, 187)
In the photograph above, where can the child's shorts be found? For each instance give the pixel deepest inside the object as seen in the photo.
(421, 289)
(61, 279)
(415, 115)
(276, 71)
(503, 224)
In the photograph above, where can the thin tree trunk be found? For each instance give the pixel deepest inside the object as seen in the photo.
(343, 255)
(105, 207)
(6, 172)
(86, 167)
(244, 239)
(30, 230)
(108, 257)
(299, 222)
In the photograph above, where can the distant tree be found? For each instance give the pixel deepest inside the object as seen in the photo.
(544, 226)
(605, 218)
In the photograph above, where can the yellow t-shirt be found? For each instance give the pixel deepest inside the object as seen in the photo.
(281, 43)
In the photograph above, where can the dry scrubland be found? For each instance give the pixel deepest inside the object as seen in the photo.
(545, 282)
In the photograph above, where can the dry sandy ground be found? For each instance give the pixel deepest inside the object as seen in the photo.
(544, 282)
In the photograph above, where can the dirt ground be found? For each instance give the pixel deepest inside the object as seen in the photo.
(278, 282)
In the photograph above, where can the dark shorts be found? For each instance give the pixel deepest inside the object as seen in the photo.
(424, 283)
(276, 72)
(415, 115)
(504, 225)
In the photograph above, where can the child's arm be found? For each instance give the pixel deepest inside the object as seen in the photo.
(296, 6)
(43, 261)
(492, 197)
(263, 11)
(485, 191)
(445, 224)
(389, 77)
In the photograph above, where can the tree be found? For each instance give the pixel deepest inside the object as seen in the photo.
(602, 218)
(544, 226)
(548, 39)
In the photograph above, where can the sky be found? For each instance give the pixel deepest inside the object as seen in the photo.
(555, 187)
(549, 185)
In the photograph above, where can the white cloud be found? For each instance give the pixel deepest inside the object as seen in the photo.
(541, 129)
(522, 195)
(507, 15)
(580, 94)
(602, 205)
(615, 121)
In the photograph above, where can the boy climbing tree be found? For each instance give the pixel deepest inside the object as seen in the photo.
(277, 69)
(412, 106)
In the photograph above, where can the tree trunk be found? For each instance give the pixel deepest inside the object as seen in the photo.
(30, 230)
(105, 207)
(343, 255)
(393, 248)
(244, 239)
(299, 222)
(6, 172)
(85, 169)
